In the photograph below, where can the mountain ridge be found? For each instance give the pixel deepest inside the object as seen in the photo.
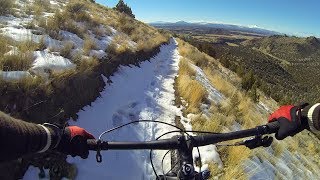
(232, 27)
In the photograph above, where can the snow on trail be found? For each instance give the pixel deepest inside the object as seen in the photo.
(135, 94)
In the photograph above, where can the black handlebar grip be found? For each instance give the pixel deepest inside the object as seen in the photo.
(92, 144)
(273, 127)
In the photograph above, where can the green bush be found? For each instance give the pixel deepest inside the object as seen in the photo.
(124, 8)
(248, 81)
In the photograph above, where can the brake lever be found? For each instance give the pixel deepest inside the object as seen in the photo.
(258, 141)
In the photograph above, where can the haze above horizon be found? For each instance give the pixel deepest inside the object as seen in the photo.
(294, 17)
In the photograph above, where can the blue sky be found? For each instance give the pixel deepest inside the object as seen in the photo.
(297, 17)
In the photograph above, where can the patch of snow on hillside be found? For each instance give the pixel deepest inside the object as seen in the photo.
(54, 2)
(68, 36)
(214, 94)
(45, 60)
(263, 107)
(15, 30)
(14, 75)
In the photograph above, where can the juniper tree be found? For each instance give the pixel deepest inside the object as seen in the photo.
(124, 8)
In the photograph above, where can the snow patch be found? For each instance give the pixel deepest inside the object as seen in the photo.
(214, 94)
(14, 75)
(45, 60)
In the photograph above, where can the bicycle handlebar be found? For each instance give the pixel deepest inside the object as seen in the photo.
(174, 142)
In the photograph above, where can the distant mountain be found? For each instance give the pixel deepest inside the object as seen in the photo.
(229, 27)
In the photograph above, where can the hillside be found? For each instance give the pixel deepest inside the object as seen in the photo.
(52, 55)
(84, 64)
(301, 54)
(182, 25)
(221, 105)
(286, 67)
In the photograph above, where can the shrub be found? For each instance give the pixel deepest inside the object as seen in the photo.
(16, 62)
(192, 91)
(77, 11)
(6, 6)
(86, 64)
(88, 45)
(126, 24)
(124, 8)
(234, 157)
(75, 7)
(27, 46)
(100, 31)
(65, 51)
(220, 82)
(28, 84)
(44, 5)
(112, 48)
(200, 59)
(42, 44)
(118, 45)
(253, 93)
(248, 81)
(3, 45)
(185, 69)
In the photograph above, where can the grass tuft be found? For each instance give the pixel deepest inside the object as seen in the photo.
(16, 62)
(191, 90)
(66, 50)
(6, 6)
(88, 45)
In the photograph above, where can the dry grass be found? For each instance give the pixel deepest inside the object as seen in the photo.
(119, 45)
(101, 31)
(145, 36)
(193, 54)
(88, 45)
(87, 64)
(4, 45)
(6, 6)
(278, 148)
(65, 51)
(216, 123)
(38, 7)
(28, 84)
(22, 58)
(219, 82)
(192, 91)
(233, 158)
(42, 44)
(236, 108)
(16, 62)
(185, 68)
(27, 46)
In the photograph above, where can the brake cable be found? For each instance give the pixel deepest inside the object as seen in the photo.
(134, 122)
